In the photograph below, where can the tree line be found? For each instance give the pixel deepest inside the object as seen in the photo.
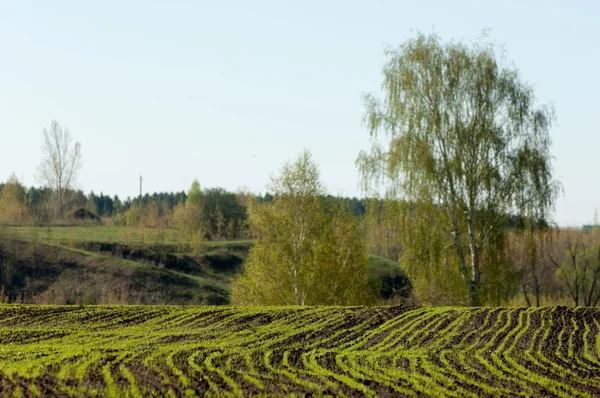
(223, 212)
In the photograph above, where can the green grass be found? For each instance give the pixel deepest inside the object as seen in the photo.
(344, 351)
(69, 235)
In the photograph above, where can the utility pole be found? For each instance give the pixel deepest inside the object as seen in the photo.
(140, 188)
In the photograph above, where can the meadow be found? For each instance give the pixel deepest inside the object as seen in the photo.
(341, 351)
(81, 233)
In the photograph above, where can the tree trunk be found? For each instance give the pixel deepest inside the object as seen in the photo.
(524, 285)
(475, 274)
(537, 292)
(473, 290)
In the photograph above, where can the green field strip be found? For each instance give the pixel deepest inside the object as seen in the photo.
(472, 377)
(196, 363)
(589, 352)
(240, 364)
(376, 335)
(550, 384)
(422, 379)
(301, 330)
(428, 362)
(501, 325)
(132, 390)
(461, 345)
(556, 373)
(579, 355)
(440, 337)
(312, 362)
(343, 335)
(363, 376)
(289, 375)
(401, 333)
(559, 363)
(371, 365)
(559, 347)
(424, 328)
(112, 390)
(431, 376)
(461, 354)
(233, 387)
(305, 372)
(597, 323)
(390, 330)
(181, 376)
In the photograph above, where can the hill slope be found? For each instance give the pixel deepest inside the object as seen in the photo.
(349, 351)
(106, 265)
(48, 273)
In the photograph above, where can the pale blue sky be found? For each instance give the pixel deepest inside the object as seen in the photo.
(177, 90)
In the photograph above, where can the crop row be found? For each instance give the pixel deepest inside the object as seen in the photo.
(189, 351)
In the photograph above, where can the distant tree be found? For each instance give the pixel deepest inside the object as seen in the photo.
(527, 249)
(13, 206)
(305, 254)
(576, 256)
(106, 205)
(219, 224)
(221, 207)
(188, 219)
(117, 205)
(194, 194)
(61, 162)
(92, 203)
(384, 222)
(462, 135)
(135, 215)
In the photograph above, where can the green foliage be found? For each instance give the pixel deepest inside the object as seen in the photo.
(90, 296)
(224, 216)
(384, 223)
(305, 254)
(389, 279)
(194, 194)
(13, 207)
(576, 256)
(462, 136)
(428, 258)
(134, 216)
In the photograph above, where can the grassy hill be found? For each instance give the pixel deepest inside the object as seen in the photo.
(110, 265)
(348, 351)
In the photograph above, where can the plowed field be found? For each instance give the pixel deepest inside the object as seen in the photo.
(342, 351)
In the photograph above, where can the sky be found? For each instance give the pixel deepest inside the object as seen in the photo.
(228, 91)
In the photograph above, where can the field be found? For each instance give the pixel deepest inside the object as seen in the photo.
(75, 234)
(351, 351)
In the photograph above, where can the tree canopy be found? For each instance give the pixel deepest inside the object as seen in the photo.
(459, 133)
(305, 253)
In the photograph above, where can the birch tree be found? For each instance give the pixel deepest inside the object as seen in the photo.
(61, 162)
(304, 253)
(458, 130)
